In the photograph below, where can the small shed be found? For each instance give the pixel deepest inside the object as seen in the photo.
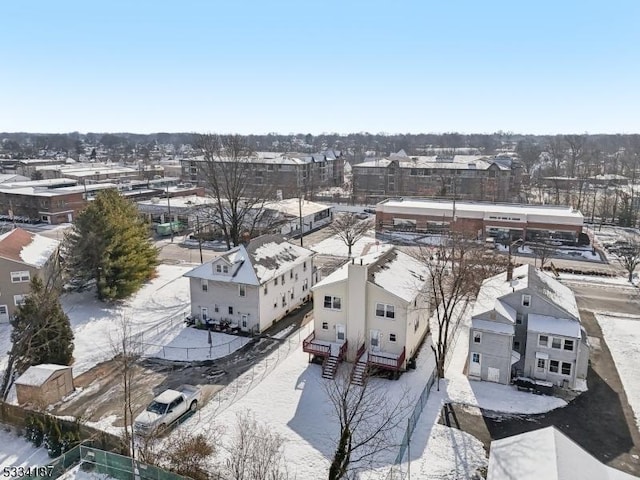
(44, 384)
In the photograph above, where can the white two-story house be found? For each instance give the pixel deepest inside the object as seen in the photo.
(252, 287)
(373, 311)
(527, 323)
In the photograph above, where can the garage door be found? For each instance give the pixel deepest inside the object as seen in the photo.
(493, 374)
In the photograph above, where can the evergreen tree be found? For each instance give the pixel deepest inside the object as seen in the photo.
(41, 334)
(109, 243)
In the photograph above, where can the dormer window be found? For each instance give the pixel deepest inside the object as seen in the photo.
(526, 300)
(225, 269)
(218, 268)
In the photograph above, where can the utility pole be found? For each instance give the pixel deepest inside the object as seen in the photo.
(300, 217)
(408, 449)
(169, 213)
(199, 235)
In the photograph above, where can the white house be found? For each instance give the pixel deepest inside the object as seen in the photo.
(252, 287)
(547, 454)
(372, 311)
(525, 322)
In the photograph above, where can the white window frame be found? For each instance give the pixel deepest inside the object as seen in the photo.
(562, 364)
(473, 357)
(335, 303)
(526, 300)
(22, 276)
(557, 367)
(205, 285)
(559, 340)
(571, 342)
(392, 337)
(544, 364)
(477, 338)
(4, 310)
(325, 325)
(242, 290)
(218, 268)
(546, 344)
(18, 299)
(225, 269)
(388, 311)
(216, 308)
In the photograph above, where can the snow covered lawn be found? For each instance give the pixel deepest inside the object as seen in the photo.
(335, 246)
(571, 277)
(622, 334)
(17, 452)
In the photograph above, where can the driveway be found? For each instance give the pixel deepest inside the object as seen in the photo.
(599, 420)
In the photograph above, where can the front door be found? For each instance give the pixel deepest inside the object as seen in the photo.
(375, 340)
(4, 313)
(204, 313)
(474, 365)
(340, 333)
(541, 369)
(245, 320)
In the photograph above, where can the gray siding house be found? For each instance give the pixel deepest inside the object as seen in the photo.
(252, 287)
(23, 255)
(527, 323)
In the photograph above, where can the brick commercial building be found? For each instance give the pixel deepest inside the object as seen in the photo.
(466, 177)
(286, 174)
(501, 221)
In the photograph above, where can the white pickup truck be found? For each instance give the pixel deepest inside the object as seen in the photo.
(166, 408)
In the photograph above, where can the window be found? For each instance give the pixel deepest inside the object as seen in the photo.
(304, 266)
(3, 310)
(265, 289)
(305, 285)
(518, 319)
(290, 273)
(392, 337)
(543, 341)
(225, 269)
(205, 285)
(566, 368)
(416, 325)
(296, 277)
(477, 337)
(219, 268)
(526, 300)
(556, 343)
(568, 345)
(541, 363)
(384, 310)
(216, 308)
(282, 278)
(333, 303)
(292, 294)
(284, 300)
(553, 366)
(244, 321)
(230, 310)
(20, 277)
(475, 358)
(325, 325)
(275, 282)
(18, 299)
(242, 290)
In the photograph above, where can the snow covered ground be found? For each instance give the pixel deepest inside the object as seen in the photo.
(15, 451)
(335, 246)
(76, 473)
(622, 334)
(621, 281)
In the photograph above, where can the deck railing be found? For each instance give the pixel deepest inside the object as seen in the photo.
(386, 362)
(343, 350)
(314, 348)
(360, 352)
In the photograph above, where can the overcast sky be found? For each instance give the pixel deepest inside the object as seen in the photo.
(320, 66)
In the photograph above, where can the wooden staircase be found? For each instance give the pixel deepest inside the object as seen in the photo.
(359, 372)
(330, 366)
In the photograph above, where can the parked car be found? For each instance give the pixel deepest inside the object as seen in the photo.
(166, 409)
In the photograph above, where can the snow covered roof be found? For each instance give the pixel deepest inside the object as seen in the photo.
(494, 327)
(291, 207)
(36, 375)
(265, 258)
(546, 453)
(396, 272)
(25, 247)
(526, 276)
(559, 326)
(457, 162)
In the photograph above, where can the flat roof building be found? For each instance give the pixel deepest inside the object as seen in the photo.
(483, 220)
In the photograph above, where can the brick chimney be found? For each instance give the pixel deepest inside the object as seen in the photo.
(509, 272)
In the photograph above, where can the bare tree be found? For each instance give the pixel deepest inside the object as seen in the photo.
(367, 418)
(629, 255)
(576, 145)
(456, 269)
(543, 251)
(349, 228)
(230, 176)
(255, 452)
(126, 356)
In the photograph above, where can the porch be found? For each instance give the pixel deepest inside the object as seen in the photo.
(365, 360)
(332, 353)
